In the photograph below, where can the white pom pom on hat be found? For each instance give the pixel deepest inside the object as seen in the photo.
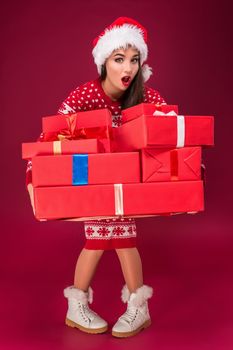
(146, 72)
(122, 32)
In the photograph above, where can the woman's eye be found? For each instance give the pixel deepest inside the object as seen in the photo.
(118, 59)
(135, 60)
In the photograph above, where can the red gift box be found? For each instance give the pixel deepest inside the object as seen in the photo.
(88, 119)
(146, 109)
(118, 200)
(105, 168)
(32, 149)
(171, 165)
(95, 124)
(169, 131)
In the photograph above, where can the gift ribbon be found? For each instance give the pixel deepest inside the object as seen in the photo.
(80, 169)
(56, 147)
(174, 164)
(180, 131)
(160, 113)
(99, 132)
(118, 193)
(71, 121)
(180, 126)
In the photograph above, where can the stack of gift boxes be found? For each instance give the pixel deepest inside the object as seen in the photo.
(151, 165)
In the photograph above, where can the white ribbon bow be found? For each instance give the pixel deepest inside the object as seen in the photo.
(159, 113)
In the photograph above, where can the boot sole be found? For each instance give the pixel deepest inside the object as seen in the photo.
(130, 334)
(72, 324)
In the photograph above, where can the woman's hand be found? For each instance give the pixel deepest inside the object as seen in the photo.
(31, 194)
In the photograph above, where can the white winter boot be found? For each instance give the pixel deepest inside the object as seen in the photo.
(79, 314)
(137, 315)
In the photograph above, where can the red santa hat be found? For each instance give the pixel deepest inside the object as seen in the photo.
(122, 32)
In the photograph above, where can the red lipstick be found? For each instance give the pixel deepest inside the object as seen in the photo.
(126, 80)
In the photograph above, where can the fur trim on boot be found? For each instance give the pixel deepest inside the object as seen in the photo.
(125, 294)
(141, 295)
(79, 295)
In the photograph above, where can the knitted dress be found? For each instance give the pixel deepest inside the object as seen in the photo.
(104, 233)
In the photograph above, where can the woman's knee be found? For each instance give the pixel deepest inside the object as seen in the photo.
(94, 252)
(124, 251)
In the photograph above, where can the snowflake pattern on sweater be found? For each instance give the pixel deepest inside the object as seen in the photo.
(103, 233)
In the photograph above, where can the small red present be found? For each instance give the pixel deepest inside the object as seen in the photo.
(164, 131)
(146, 109)
(32, 149)
(83, 169)
(96, 124)
(118, 200)
(88, 119)
(171, 164)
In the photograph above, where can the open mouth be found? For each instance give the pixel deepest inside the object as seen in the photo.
(126, 80)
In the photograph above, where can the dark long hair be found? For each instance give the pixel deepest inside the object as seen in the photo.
(134, 94)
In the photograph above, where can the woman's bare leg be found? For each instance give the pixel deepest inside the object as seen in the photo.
(131, 266)
(85, 268)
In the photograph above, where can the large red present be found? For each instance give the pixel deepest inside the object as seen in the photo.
(83, 169)
(32, 149)
(164, 131)
(171, 164)
(146, 109)
(118, 200)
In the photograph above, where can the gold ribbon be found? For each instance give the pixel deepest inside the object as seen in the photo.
(57, 147)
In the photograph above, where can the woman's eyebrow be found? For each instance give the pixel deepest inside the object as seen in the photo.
(120, 54)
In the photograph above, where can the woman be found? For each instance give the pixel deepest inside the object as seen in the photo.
(119, 53)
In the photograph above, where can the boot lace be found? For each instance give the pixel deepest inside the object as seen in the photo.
(130, 315)
(87, 312)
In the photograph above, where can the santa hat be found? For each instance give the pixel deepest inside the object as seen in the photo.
(122, 32)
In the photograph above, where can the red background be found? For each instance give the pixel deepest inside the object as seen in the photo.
(46, 52)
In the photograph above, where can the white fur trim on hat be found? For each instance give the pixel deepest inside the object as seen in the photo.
(119, 37)
(138, 297)
(146, 72)
(78, 294)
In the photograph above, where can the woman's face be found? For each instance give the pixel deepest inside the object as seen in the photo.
(122, 66)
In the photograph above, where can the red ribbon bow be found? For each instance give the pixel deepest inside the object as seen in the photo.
(72, 132)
